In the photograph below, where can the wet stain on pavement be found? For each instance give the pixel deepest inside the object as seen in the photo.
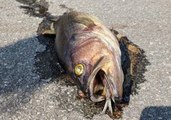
(17, 81)
(36, 8)
(46, 62)
(134, 64)
(46, 65)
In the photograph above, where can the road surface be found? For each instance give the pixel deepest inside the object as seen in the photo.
(27, 91)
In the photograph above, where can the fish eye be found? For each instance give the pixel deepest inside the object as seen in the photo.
(79, 69)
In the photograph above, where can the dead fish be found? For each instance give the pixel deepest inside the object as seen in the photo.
(90, 53)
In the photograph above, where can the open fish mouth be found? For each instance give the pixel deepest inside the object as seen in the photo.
(100, 90)
(101, 87)
(97, 82)
(97, 87)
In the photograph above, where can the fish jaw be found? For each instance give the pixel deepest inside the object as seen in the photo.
(104, 86)
(101, 79)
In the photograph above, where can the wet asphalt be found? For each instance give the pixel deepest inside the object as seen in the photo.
(29, 87)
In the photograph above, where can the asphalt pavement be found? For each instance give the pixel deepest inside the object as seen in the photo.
(31, 90)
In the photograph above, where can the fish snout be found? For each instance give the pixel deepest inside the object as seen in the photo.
(81, 82)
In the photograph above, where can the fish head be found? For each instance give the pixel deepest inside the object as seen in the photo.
(95, 80)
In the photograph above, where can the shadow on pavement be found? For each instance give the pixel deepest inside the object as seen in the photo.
(24, 71)
(20, 67)
(156, 113)
(31, 63)
(46, 62)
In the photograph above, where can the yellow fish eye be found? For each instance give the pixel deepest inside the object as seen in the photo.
(79, 69)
